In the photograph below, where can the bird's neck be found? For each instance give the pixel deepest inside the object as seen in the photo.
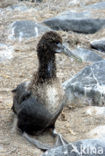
(47, 70)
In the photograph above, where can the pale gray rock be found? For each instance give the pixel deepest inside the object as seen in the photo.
(87, 5)
(86, 55)
(75, 2)
(89, 147)
(78, 22)
(26, 29)
(97, 132)
(96, 111)
(88, 86)
(32, 0)
(6, 3)
(19, 7)
(99, 5)
(6, 52)
(99, 44)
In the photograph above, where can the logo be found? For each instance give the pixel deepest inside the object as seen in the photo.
(87, 150)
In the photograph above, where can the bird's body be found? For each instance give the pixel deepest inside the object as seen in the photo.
(50, 94)
(39, 110)
(39, 103)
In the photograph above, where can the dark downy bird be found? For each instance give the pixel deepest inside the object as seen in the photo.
(38, 104)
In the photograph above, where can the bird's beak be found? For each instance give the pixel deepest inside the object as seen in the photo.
(60, 48)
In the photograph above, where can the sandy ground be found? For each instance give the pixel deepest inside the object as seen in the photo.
(73, 123)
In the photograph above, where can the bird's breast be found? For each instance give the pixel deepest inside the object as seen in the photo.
(50, 95)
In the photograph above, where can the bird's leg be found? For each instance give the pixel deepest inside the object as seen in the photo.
(36, 142)
(14, 126)
(60, 140)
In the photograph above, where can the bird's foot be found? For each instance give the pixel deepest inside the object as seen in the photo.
(60, 140)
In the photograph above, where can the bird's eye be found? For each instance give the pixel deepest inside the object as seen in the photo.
(57, 42)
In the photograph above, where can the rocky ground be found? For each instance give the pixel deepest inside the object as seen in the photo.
(18, 61)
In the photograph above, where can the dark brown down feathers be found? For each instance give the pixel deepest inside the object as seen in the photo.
(46, 54)
(40, 109)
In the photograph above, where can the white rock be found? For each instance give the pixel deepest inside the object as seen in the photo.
(98, 111)
(98, 132)
(6, 52)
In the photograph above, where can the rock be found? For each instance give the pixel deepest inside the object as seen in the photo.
(83, 54)
(86, 55)
(88, 86)
(37, 0)
(89, 147)
(95, 111)
(99, 5)
(87, 4)
(77, 22)
(74, 2)
(6, 52)
(98, 132)
(6, 3)
(2, 149)
(99, 44)
(18, 7)
(26, 29)
(32, 0)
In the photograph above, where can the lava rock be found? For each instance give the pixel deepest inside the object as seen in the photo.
(77, 22)
(86, 55)
(99, 44)
(88, 86)
(26, 29)
(89, 147)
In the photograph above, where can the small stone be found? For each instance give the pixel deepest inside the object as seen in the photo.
(6, 52)
(99, 44)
